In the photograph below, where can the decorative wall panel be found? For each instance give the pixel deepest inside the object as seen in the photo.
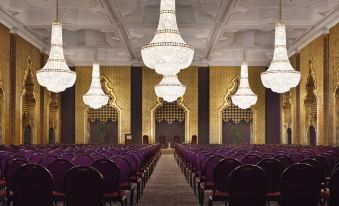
(188, 77)
(333, 78)
(221, 79)
(23, 51)
(118, 81)
(4, 84)
(313, 59)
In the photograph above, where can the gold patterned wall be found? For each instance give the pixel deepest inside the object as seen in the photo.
(334, 86)
(220, 81)
(4, 84)
(313, 57)
(188, 77)
(24, 50)
(119, 78)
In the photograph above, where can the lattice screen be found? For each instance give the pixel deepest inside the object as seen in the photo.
(314, 108)
(170, 111)
(103, 114)
(236, 114)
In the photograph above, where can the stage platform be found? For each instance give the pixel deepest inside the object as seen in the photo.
(167, 151)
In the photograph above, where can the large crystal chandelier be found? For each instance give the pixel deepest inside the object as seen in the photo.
(244, 98)
(280, 76)
(56, 75)
(170, 88)
(167, 53)
(95, 97)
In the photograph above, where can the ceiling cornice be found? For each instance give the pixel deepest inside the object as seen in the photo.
(19, 28)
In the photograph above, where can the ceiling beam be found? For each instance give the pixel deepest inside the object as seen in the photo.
(116, 19)
(224, 13)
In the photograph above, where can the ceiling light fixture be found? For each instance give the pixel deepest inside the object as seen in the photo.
(167, 53)
(280, 76)
(170, 88)
(244, 98)
(56, 75)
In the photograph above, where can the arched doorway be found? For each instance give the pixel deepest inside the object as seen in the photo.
(1, 114)
(103, 125)
(28, 106)
(312, 136)
(289, 136)
(51, 136)
(236, 125)
(310, 105)
(170, 123)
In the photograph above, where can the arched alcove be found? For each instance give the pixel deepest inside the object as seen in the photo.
(236, 125)
(312, 135)
(169, 123)
(310, 105)
(286, 117)
(1, 114)
(28, 106)
(289, 136)
(53, 120)
(51, 136)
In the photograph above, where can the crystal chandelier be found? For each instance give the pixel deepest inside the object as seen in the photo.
(56, 75)
(170, 88)
(280, 76)
(95, 97)
(167, 53)
(244, 98)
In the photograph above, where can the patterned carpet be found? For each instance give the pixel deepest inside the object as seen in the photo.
(168, 186)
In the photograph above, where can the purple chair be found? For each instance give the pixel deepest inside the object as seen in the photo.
(333, 194)
(220, 174)
(300, 185)
(250, 159)
(125, 174)
(59, 169)
(296, 157)
(32, 185)
(47, 160)
(67, 156)
(36, 158)
(285, 160)
(78, 194)
(247, 186)
(98, 156)
(111, 174)
(83, 160)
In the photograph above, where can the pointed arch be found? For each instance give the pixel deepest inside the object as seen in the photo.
(108, 89)
(180, 103)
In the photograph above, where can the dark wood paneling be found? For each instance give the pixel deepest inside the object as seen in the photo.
(68, 115)
(203, 104)
(136, 104)
(272, 113)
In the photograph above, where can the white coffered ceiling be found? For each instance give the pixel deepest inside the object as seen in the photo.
(217, 29)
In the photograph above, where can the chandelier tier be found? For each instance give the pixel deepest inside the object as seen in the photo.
(244, 98)
(95, 97)
(55, 75)
(170, 88)
(167, 53)
(280, 76)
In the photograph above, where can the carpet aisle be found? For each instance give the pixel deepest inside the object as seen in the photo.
(168, 186)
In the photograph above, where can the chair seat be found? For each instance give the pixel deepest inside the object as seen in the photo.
(273, 196)
(2, 183)
(325, 194)
(113, 196)
(208, 185)
(220, 196)
(125, 186)
(3, 195)
(58, 194)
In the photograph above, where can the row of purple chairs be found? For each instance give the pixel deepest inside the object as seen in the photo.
(198, 161)
(135, 164)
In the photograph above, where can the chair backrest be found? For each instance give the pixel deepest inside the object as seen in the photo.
(296, 157)
(3, 161)
(83, 186)
(222, 171)
(285, 160)
(67, 156)
(334, 189)
(110, 172)
(300, 185)
(10, 170)
(59, 168)
(250, 159)
(273, 170)
(325, 169)
(133, 161)
(210, 165)
(97, 156)
(247, 186)
(124, 168)
(32, 185)
(36, 158)
(47, 160)
(83, 160)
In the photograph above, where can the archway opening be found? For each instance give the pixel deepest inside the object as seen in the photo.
(1, 115)
(289, 136)
(103, 125)
(312, 136)
(170, 124)
(51, 136)
(27, 135)
(310, 105)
